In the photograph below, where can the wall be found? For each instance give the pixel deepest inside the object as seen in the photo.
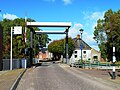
(86, 54)
(96, 53)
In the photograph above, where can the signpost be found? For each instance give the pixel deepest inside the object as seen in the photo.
(11, 50)
(80, 46)
(15, 30)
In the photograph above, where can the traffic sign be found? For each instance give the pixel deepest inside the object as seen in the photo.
(17, 30)
(80, 46)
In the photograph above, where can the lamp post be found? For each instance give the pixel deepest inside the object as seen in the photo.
(81, 31)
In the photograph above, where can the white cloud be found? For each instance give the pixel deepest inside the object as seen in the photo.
(90, 41)
(92, 17)
(97, 15)
(66, 2)
(0, 15)
(91, 21)
(75, 30)
(49, 0)
(9, 16)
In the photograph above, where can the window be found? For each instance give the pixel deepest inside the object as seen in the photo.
(75, 52)
(95, 57)
(75, 56)
(84, 56)
(84, 52)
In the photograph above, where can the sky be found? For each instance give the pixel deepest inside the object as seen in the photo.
(81, 13)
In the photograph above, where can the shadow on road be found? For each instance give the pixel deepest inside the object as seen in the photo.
(45, 63)
(110, 74)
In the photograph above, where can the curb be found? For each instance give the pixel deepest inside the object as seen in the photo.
(15, 84)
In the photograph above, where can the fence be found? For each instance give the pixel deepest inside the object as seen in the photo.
(97, 65)
(16, 63)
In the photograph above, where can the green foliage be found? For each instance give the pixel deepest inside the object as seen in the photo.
(57, 47)
(71, 46)
(6, 24)
(107, 34)
(18, 40)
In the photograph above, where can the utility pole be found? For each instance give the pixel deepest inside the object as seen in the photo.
(11, 49)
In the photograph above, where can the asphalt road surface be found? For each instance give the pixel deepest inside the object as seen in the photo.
(52, 76)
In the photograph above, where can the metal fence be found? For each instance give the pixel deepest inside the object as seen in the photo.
(95, 65)
(16, 63)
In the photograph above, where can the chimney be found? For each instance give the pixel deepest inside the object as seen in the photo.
(78, 36)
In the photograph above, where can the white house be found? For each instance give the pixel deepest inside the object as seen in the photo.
(88, 53)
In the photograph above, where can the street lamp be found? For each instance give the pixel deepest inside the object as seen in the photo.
(81, 31)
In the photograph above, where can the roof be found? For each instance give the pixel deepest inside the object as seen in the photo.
(78, 42)
(43, 50)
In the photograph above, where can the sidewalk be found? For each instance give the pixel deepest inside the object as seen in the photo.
(101, 74)
(7, 78)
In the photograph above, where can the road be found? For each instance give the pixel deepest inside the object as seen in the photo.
(52, 76)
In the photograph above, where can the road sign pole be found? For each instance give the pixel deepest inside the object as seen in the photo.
(114, 59)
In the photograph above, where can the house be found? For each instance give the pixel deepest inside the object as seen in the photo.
(88, 53)
(44, 54)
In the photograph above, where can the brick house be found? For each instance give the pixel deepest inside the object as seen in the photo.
(44, 54)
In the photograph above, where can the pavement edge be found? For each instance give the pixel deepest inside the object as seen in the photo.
(15, 84)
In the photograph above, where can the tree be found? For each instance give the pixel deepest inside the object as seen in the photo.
(6, 24)
(57, 47)
(107, 34)
(18, 40)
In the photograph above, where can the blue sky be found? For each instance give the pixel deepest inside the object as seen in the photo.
(81, 13)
